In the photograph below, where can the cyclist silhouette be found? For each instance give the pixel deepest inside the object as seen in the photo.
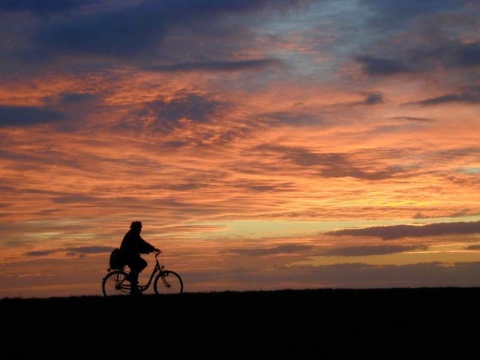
(131, 247)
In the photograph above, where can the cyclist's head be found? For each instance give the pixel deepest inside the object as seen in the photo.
(136, 225)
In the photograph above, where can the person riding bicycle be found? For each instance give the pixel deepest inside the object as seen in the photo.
(131, 247)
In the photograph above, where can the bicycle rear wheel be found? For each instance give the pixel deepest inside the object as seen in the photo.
(115, 283)
(168, 282)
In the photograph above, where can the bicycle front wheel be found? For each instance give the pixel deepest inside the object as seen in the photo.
(115, 283)
(168, 282)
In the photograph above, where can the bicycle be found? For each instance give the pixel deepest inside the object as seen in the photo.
(116, 281)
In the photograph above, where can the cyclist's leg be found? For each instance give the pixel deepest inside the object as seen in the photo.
(136, 266)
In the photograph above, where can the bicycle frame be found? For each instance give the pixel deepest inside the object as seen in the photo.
(157, 268)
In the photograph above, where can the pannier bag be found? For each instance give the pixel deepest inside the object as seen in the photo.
(116, 260)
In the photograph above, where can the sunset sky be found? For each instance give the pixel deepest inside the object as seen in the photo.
(264, 145)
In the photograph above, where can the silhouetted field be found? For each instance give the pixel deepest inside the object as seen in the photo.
(422, 323)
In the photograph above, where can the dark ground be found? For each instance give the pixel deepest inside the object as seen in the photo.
(423, 323)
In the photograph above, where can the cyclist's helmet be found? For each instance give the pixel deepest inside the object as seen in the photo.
(137, 225)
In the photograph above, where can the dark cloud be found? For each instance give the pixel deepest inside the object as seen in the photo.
(410, 118)
(431, 53)
(164, 115)
(291, 118)
(330, 165)
(40, 253)
(191, 106)
(216, 66)
(454, 54)
(69, 98)
(467, 94)
(387, 14)
(469, 54)
(281, 249)
(28, 115)
(381, 66)
(122, 34)
(426, 274)
(74, 199)
(402, 231)
(87, 250)
(138, 30)
(369, 250)
(374, 99)
(42, 7)
(420, 37)
(75, 251)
